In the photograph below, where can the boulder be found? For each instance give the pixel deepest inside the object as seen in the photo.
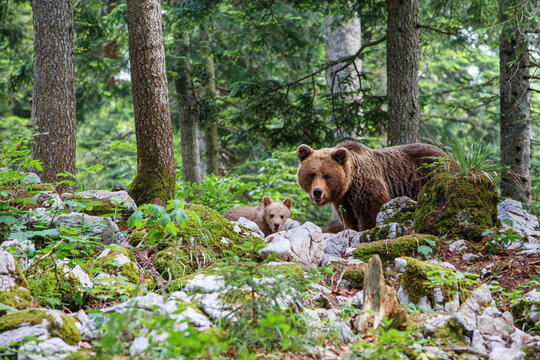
(303, 245)
(523, 223)
(398, 210)
(462, 206)
(388, 250)
(14, 290)
(102, 202)
(525, 310)
(104, 229)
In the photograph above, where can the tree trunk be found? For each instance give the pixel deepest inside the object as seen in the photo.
(156, 173)
(211, 135)
(515, 109)
(343, 39)
(402, 71)
(189, 110)
(53, 95)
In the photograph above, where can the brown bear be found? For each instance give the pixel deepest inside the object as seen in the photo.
(358, 180)
(269, 217)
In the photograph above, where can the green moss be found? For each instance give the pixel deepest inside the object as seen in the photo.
(108, 264)
(452, 331)
(355, 275)
(137, 237)
(388, 250)
(378, 232)
(95, 206)
(151, 184)
(41, 188)
(64, 289)
(67, 331)
(176, 261)
(415, 280)
(461, 206)
(17, 297)
(287, 270)
(520, 312)
(20, 279)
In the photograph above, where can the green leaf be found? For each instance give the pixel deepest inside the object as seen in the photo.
(10, 220)
(135, 220)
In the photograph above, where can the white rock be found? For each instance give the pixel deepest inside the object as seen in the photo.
(104, 229)
(139, 345)
(400, 265)
(249, 225)
(7, 263)
(77, 271)
(501, 353)
(117, 197)
(468, 257)
(290, 224)
(54, 348)
(494, 323)
(457, 246)
(358, 299)
(205, 284)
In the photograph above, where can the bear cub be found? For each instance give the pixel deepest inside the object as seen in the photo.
(269, 217)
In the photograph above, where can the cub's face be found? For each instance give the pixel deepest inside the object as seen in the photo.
(323, 173)
(276, 212)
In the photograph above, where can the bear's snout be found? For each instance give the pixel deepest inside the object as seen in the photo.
(317, 193)
(276, 226)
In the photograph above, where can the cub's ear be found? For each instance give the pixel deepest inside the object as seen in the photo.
(340, 155)
(266, 201)
(304, 152)
(287, 202)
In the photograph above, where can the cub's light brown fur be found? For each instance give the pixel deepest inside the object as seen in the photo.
(269, 217)
(358, 180)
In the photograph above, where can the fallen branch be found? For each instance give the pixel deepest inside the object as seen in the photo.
(44, 256)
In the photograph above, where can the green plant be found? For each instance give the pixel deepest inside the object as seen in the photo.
(451, 281)
(496, 239)
(14, 158)
(265, 308)
(427, 250)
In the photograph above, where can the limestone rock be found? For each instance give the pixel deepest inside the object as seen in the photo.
(379, 298)
(104, 229)
(398, 210)
(14, 290)
(303, 245)
(523, 223)
(104, 201)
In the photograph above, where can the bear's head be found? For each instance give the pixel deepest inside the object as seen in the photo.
(324, 174)
(276, 212)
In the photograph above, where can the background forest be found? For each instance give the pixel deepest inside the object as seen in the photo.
(260, 83)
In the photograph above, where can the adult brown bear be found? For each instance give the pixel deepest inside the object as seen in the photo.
(358, 180)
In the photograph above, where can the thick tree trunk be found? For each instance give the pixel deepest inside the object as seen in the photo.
(156, 173)
(189, 113)
(343, 39)
(402, 71)
(515, 109)
(211, 135)
(53, 95)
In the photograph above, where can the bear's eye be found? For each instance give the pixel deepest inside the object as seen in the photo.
(282, 216)
(271, 216)
(326, 177)
(312, 175)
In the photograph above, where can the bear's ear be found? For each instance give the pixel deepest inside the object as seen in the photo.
(266, 201)
(287, 202)
(304, 152)
(340, 155)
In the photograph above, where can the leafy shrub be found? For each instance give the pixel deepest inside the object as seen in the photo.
(496, 239)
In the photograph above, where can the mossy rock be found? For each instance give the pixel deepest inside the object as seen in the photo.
(67, 330)
(117, 260)
(520, 311)
(285, 269)
(457, 205)
(354, 274)
(390, 249)
(452, 332)
(55, 287)
(17, 297)
(95, 206)
(416, 283)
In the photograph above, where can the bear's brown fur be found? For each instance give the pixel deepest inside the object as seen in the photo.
(269, 217)
(358, 180)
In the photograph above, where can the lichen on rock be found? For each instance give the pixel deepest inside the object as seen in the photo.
(462, 206)
(118, 260)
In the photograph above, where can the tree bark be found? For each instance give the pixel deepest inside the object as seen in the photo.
(189, 113)
(53, 94)
(402, 71)
(515, 109)
(211, 135)
(156, 173)
(341, 40)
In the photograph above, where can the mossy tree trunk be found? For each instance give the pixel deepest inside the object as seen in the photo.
(402, 71)
(53, 95)
(156, 173)
(515, 107)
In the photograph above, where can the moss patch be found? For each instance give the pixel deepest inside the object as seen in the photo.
(415, 280)
(64, 289)
(388, 250)
(154, 184)
(451, 331)
(108, 264)
(355, 275)
(461, 206)
(520, 312)
(95, 206)
(67, 331)
(18, 297)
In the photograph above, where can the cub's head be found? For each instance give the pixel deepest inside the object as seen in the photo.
(324, 174)
(276, 212)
